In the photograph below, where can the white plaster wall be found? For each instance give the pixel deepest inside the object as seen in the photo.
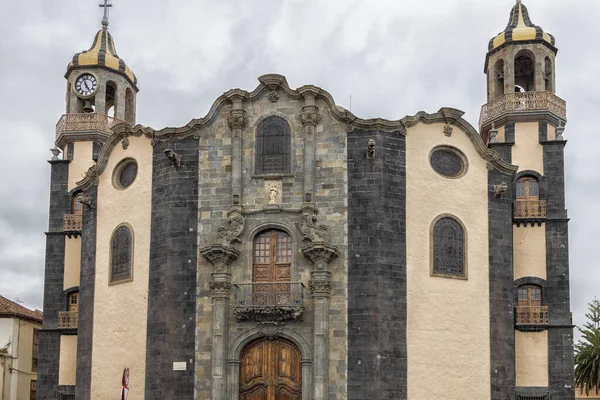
(68, 360)
(120, 311)
(6, 331)
(531, 350)
(527, 152)
(529, 251)
(82, 161)
(72, 262)
(448, 319)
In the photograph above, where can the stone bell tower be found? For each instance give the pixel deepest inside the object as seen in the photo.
(524, 121)
(101, 92)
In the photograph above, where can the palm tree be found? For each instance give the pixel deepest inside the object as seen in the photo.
(587, 351)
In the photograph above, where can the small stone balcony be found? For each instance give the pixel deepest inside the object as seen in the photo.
(272, 302)
(86, 122)
(72, 224)
(529, 211)
(522, 103)
(68, 319)
(531, 318)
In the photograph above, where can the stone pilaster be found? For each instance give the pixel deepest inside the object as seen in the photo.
(221, 255)
(310, 118)
(321, 254)
(237, 123)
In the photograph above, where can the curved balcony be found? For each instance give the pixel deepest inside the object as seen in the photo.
(522, 103)
(86, 122)
(268, 301)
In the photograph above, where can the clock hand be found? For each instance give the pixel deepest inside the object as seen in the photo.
(86, 86)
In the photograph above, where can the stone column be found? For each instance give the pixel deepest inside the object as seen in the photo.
(321, 254)
(221, 257)
(237, 122)
(310, 118)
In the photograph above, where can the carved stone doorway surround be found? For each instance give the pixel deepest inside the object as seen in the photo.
(316, 247)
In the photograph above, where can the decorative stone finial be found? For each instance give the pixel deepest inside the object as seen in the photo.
(55, 152)
(559, 131)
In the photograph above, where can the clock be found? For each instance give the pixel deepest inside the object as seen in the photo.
(86, 85)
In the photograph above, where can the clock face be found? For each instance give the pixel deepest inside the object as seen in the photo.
(86, 84)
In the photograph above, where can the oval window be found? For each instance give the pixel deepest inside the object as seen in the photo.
(125, 173)
(448, 162)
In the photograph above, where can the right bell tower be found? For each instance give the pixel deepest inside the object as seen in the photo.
(524, 122)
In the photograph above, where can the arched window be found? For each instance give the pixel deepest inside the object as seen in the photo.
(73, 300)
(271, 268)
(111, 99)
(548, 78)
(449, 248)
(525, 71)
(273, 146)
(121, 255)
(528, 189)
(499, 78)
(529, 296)
(76, 206)
(272, 256)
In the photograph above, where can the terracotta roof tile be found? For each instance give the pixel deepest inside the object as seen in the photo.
(9, 308)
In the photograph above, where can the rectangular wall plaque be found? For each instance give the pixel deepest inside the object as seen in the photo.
(179, 366)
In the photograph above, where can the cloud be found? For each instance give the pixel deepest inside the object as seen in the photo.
(392, 58)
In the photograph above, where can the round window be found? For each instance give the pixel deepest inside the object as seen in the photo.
(125, 173)
(448, 162)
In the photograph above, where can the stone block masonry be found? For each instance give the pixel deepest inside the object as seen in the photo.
(172, 281)
(377, 267)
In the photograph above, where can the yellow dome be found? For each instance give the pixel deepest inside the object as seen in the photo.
(520, 29)
(102, 54)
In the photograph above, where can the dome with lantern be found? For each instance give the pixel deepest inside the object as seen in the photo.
(520, 29)
(102, 54)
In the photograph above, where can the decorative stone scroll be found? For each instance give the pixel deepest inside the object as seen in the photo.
(237, 120)
(311, 231)
(310, 116)
(229, 232)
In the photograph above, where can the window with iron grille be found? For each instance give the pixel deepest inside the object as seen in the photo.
(273, 140)
(448, 248)
(35, 350)
(121, 255)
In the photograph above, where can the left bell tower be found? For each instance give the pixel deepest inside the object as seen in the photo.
(101, 93)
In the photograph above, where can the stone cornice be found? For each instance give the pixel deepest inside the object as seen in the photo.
(270, 82)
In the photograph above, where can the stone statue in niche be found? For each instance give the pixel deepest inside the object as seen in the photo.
(273, 192)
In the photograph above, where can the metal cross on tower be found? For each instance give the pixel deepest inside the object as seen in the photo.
(105, 6)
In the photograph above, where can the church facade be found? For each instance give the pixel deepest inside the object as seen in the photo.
(281, 247)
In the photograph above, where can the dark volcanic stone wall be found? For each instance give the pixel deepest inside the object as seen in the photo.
(172, 280)
(560, 331)
(53, 281)
(87, 283)
(376, 267)
(502, 331)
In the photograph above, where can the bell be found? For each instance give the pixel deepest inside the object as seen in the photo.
(87, 107)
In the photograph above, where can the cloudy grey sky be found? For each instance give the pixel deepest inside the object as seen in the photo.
(393, 57)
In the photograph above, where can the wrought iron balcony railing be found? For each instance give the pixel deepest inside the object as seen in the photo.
(532, 315)
(68, 319)
(530, 209)
(86, 122)
(72, 223)
(269, 301)
(524, 101)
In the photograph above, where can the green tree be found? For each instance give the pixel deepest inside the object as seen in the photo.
(587, 351)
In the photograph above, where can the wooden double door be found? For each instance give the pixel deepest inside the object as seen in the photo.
(271, 370)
